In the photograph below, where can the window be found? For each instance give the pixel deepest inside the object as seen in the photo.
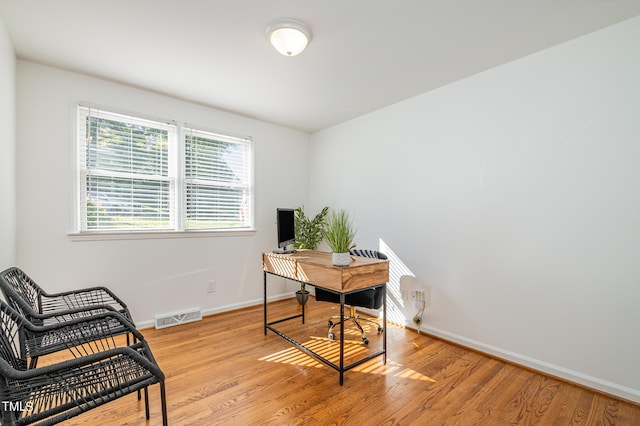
(217, 184)
(144, 175)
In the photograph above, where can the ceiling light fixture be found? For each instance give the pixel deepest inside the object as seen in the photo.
(289, 36)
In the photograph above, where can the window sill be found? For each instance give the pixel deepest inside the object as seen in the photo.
(152, 235)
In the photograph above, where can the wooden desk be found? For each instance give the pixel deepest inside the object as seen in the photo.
(315, 268)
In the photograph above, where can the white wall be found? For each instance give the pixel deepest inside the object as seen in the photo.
(152, 276)
(513, 196)
(7, 151)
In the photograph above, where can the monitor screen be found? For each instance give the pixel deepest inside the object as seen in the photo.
(286, 227)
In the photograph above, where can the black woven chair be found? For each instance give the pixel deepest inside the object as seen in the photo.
(101, 371)
(40, 308)
(370, 298)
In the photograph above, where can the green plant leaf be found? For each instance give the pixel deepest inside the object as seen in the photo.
(309, 232)
(339, 232)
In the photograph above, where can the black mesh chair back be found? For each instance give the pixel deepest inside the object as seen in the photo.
(20, 287)
(372, 254)
(11, 338)
(38, 306)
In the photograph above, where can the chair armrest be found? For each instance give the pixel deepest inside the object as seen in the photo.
(79, 336)
(81, 291)
(65, 315)
(87, 321)
(139, 352)
(81, 298)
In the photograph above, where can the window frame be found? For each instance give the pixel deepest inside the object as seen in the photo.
(178, 202)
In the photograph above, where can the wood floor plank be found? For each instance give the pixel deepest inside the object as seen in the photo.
(532, 400)
(603, 411)
(628, 414)
(453, 407)
(223, 370)
(562, 407)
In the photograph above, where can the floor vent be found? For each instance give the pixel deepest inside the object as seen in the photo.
(168, 320)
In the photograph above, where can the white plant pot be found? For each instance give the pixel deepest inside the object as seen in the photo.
(340, 259)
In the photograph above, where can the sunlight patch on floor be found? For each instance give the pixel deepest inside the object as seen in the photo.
(330, 350)
(392, 369)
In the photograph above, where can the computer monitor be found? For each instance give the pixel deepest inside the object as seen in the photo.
(286, 227)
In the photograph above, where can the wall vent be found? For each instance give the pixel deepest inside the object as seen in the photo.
(168, 320)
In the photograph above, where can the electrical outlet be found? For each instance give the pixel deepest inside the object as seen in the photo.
(211, 286)
(420, 299)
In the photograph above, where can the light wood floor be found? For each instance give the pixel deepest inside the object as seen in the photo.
(224, 370)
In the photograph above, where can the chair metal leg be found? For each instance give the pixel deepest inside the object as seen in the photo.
(355, 318)
(146, 401)
(129, 344)
(372, 321)
(163, 401)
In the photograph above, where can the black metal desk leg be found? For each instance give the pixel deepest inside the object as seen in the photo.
(341, 338)
(304, 302)
(265, 303)
(384, 324)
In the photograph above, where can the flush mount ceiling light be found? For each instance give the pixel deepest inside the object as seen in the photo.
(289, 36)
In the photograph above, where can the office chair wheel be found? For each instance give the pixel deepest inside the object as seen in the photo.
(331, 336)
(329, 323)
(380, 330)
(365, 340)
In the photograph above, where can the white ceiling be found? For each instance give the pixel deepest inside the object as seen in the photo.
(364, 55)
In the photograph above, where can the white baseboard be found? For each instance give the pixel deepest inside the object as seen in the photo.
(226, 308)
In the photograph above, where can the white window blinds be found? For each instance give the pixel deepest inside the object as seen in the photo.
(137, 175)
(217, 180)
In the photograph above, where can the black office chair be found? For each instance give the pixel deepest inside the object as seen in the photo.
(370, 298)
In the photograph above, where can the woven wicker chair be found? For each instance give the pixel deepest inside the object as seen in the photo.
(100, 372)
(40, 308)
(370, 298)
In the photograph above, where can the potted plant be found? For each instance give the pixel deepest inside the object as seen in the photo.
(302, 295)
(339, 235)
(309, 232)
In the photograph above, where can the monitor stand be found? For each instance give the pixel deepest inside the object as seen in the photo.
(284, 251)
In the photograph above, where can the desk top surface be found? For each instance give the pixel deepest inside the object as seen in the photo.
(315, 267)
(323, 258)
